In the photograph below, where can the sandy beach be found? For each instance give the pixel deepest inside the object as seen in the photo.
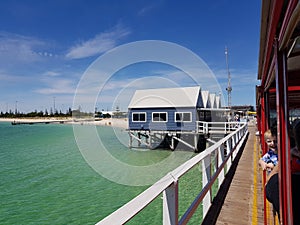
(114, 122)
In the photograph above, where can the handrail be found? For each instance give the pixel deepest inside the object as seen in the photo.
(168, 184)
(223, 127)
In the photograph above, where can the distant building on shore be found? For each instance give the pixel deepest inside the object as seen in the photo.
(243, 108)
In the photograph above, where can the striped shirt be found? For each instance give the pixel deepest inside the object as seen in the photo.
(270, 157)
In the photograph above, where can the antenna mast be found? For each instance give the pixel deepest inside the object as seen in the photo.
(229, 88)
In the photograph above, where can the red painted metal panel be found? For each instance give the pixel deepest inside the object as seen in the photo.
(275, 16)
(290, 89)
(283, 138)
(264, 127)
(268, 79)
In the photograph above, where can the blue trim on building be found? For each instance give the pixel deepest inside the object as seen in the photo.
(170, 125)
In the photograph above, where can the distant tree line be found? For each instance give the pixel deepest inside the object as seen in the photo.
(36, 113)
(56, 113)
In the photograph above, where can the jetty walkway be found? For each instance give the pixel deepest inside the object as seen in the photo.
(21, 122)
(244, 201)
(240, 199)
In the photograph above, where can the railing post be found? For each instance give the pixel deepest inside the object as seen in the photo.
(233, 146)
(170, 205)
(130, 140)
(228, 149)
(220, 161)
(206, 175)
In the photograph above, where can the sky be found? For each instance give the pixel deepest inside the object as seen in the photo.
(48, 48)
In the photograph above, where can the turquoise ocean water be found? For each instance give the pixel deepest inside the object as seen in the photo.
(45, 180)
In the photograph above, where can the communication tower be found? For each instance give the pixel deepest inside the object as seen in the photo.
(229, 88)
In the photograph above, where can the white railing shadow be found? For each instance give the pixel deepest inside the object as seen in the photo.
(226, 150)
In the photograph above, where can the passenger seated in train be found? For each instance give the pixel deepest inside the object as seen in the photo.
(272, 186)
(269, 160)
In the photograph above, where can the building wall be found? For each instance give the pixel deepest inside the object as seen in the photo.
(170, 125)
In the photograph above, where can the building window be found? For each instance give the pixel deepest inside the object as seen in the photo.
(160, 117)
(183, 117)
(139, 117)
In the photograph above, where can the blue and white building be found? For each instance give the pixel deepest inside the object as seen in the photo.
(169, 112)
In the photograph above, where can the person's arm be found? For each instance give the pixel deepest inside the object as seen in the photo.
(262, 164)
(273, 172)
(270, 166)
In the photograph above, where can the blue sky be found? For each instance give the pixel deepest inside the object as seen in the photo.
(47, 46)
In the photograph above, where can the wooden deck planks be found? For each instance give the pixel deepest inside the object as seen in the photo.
(238, 205)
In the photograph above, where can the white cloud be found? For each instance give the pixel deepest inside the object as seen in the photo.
(57, 86)
(7, 78)
(51, 74)
(18, 48)
(120, 91)
(99, 44)
(145, 10)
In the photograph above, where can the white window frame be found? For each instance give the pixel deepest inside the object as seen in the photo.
(160, 120)
(138, 121)
(181, 121)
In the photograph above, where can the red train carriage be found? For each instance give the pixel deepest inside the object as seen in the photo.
(278, 96)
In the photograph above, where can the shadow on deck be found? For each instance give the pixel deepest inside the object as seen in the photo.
(240, 199)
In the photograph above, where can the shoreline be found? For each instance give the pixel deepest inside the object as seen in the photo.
(113, 122)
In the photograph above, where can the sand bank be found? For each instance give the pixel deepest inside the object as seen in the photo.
(114, 122)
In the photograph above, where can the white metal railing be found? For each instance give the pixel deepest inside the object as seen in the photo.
(168, 185)
(204, 127)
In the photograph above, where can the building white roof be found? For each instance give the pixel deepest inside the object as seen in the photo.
(212, 98)
(166, 97)
(218, 101)
(205, 95)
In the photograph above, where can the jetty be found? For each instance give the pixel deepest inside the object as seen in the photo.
(21, 122)
(240, 198)
(32, 121)
(235, 172)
